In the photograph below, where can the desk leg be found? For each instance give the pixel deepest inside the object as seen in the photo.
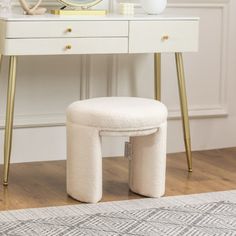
(1, 62)
(157, 79)
(184, 108)
(9, 117)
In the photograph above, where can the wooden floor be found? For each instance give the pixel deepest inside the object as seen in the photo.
(43, 184)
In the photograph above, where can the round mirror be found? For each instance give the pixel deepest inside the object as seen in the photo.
(80, 3)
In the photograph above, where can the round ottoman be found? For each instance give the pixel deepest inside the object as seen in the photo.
(143, 120)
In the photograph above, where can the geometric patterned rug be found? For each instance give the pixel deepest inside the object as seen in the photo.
(200, 214)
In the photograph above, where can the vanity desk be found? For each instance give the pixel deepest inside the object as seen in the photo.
(22, 35)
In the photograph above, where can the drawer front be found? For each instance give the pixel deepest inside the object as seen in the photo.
(51, 29)
(63, 46)
(163, 36)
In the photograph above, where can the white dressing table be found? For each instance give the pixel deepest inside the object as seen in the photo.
(64, 35)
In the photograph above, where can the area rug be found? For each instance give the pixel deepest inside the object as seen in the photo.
(199, 214)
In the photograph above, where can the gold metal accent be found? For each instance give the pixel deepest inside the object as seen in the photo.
(184, 108)
(82, 5)
(165, 37)
(69, 30)
(84, 12)
(1, 61)
(1, 57)
(9, 117)
(157, 79)
(68, 46)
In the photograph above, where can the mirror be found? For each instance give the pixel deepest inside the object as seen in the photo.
(80, 3)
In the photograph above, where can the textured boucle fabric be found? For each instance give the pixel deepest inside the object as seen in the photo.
(143, 120)
(118, 113)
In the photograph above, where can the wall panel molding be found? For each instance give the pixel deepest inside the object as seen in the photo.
(221, 109)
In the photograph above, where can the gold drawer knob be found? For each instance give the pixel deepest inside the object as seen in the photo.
(69, 30)
(68, 46)
(165, 37)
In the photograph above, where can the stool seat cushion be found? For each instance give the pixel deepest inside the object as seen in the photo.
(117, 113)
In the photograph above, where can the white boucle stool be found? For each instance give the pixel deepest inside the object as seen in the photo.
(143, 120)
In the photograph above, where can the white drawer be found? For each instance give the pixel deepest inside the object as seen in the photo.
(65, 46)
(51, 29)
(163, 36)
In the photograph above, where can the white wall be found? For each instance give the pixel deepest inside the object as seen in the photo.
(46, 85)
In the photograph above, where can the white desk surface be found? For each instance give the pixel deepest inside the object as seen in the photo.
(110, 17)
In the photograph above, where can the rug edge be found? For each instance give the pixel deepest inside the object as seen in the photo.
(103, 207)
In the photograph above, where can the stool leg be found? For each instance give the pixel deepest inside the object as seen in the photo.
(148, 163)
(84, 163)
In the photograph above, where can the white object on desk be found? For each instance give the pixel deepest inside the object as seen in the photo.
(154, 6)
(22, 35)
(127, 8)
(32, 10)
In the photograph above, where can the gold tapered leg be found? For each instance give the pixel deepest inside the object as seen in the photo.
(9, 117)
(184, 107)
(1, 62)
(157, 79)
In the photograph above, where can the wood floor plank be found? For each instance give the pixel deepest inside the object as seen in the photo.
(43, 184)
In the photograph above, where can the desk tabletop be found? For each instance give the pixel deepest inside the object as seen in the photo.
(108, 17)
